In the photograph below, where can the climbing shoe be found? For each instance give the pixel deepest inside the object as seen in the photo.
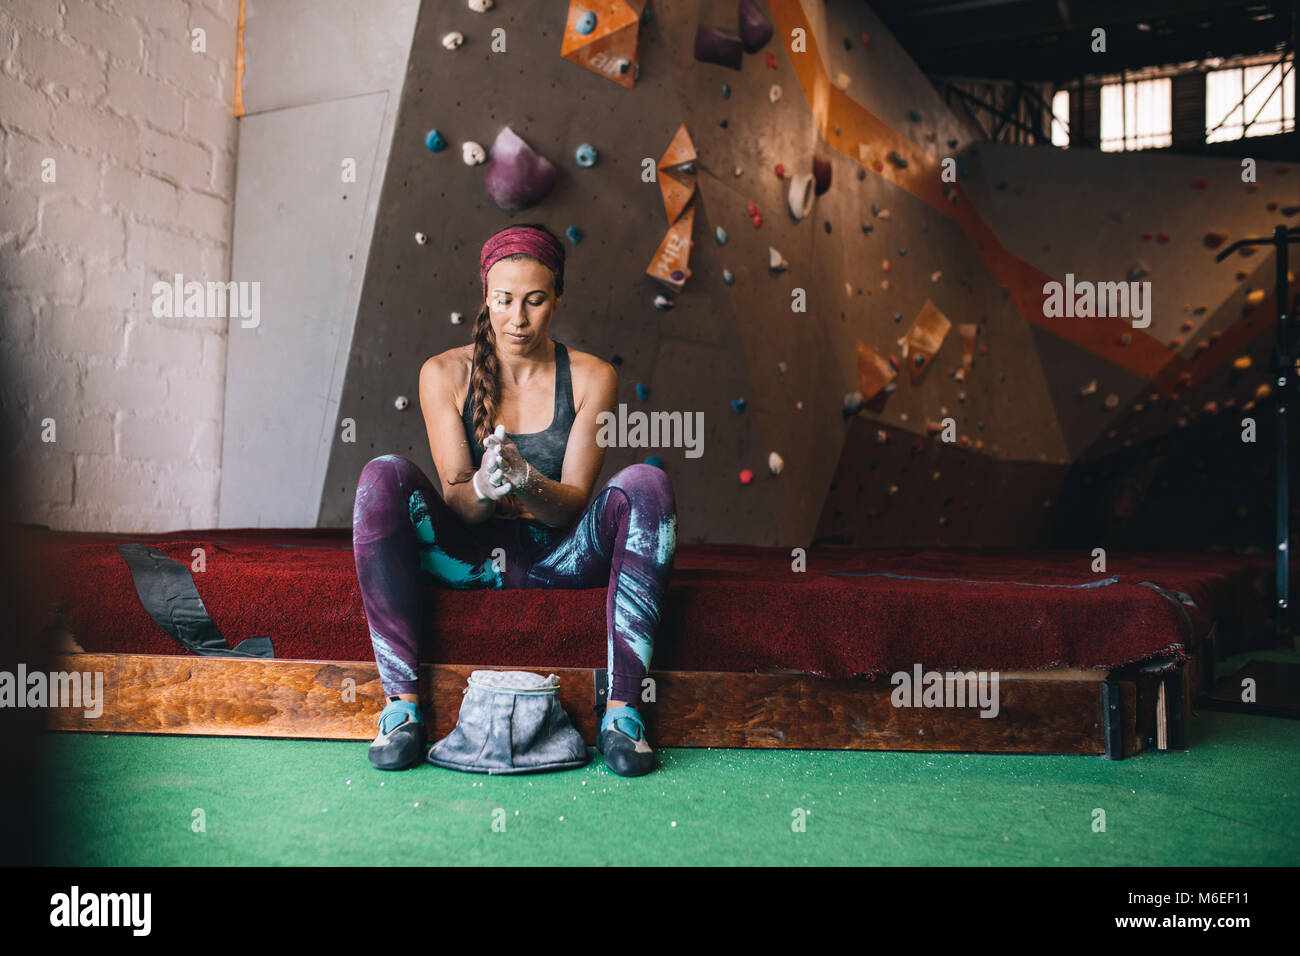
(401, 737)
(622, 741)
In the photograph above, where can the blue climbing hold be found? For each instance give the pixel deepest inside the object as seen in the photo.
(898, 316)
(574, 234)
(586, 23)
(655, 460)
(434, 142)
(902, 252)
(737, 405)
(721, 235)
(726, 91)
(728, 276)
(897, 160)
(585, 155)
(914, 116)
(642, 392)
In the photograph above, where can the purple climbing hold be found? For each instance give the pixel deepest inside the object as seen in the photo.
(755, 29)
(821, 174)
(515, 176)
(718, 46)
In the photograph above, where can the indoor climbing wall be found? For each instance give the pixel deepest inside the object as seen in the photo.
(858, 314)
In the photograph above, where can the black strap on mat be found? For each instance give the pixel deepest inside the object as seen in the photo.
(167, 592)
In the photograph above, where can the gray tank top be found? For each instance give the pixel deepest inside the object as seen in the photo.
(543, 450)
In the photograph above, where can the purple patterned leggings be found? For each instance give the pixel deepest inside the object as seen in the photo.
(402, 529)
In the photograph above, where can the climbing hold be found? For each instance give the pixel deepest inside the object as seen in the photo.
(1138, 270)
(755, 28)
(781, 368)
(726, 91)
(1263, 392)
(866, 227)
(1213, 240)
(1200, 184)
(852, 404)
(574, 234)
(1254, 297)
(738, 171)
(586, 23)
(585, 155)
(914, 116)
(655, 460)
(936, 275)
(827, 224)
(480, 6)
(401, 402)
(898, 316)
(952, 144)
(774, 93)
(1186, 326)
(663, 303)
(457, 318)
(434, 142)
(1089, 388)
(780, 170)
(1126, 339)
(642, 392)
(1112, 400)
(421, 238)
(866, 40)
(897, 160)
(821, 173)
(472, 154)
(1290, 211)
(884, 265)
(1162, 237)
(718, 46)
(516, 177)
(1146, 237)
(800, 195)
(746, 476)
(883, 214)
(757, 220)
(842, 82)
(902, 252)
(738, 405)
(771, 61)
(721, 235)
(728, 276)
(775, 261)
(453, 40)
(1241, 363)
(775, 463)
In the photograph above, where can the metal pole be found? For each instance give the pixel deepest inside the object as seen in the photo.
(1283, 355)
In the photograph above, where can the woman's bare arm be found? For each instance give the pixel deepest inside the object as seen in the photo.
(440, 377)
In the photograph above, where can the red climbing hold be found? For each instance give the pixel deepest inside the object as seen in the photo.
(1162, 237)
(780, 171)
(751, 210)
(758, 221)
(1146, 237)
(866, 40)
(1187, 326)
(746, 476)
(1200, 184)
(771, 61)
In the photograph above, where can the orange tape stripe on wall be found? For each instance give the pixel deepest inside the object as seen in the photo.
(239, 64)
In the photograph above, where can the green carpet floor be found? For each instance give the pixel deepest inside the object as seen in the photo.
(1232, 799)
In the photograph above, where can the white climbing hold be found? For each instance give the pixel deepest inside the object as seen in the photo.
(453, 40)
(775, 463)
(737, 172)
(472, 153)
(1089, 388)
(401, 402)
(775, 261)
(663, 303)
(480, 6)
(801, 195)
(1112, 400)
(781, 368)
(421, 238)
(936, 275)
(848, 288)
(842, 80)
(457, 318)
(774, 93)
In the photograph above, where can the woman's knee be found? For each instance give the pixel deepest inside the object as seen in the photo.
(382, 483)
(645, 483)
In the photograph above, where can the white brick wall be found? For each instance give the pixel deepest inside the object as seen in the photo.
(142, 134)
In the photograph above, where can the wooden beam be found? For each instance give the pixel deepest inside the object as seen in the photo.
(1038, 712)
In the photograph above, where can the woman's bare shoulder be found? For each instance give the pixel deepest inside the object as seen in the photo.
(448, 370)
(592, 376)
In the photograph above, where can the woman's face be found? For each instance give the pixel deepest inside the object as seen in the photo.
(521, 302)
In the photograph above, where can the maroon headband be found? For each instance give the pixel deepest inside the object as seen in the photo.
(521, 239)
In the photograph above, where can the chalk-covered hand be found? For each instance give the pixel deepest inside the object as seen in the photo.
(514, 470)
(490, 481)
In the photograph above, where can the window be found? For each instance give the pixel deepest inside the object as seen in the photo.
(1061, 118)
(1136, 115)
(1250, 101)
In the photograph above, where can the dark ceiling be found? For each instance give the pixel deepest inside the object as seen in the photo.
(1051, 40)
